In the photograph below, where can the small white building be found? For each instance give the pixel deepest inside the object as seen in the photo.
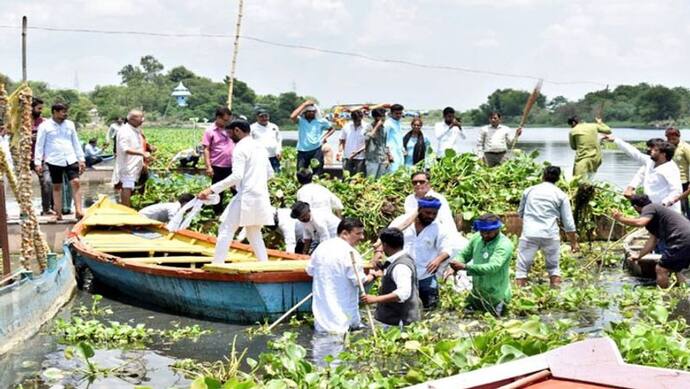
(180, 93)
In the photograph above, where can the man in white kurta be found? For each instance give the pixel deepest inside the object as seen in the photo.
(318, 226)
(250, 207)
(335, 304)
(317, 196)
(659, 175)
(447, 133)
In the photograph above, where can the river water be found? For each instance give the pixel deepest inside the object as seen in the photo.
(25, 363)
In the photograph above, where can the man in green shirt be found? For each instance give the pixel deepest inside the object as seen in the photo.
(490, 252)
(585, 141)
(682, 158)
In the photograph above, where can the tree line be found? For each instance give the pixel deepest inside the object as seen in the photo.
(147, 85)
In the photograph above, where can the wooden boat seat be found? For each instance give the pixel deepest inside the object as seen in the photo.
(124, 241)
(233, 257)
(258, 267)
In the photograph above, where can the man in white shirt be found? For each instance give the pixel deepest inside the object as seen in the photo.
(317, 196)
(58, 145)
(494, 140)
(111, 136)
(352, 143)
(291, 229)
(422, 188)
(321, 225)
(660, 177)
(164, 212)
(268, 134)
(429, 245)
(335, 304)
(398, 301)
(447, 133)
(541, 207)
(251, 206)
(131, 153)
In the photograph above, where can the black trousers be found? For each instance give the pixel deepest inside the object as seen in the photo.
(684, 202)
(304, 160)
(219, 174)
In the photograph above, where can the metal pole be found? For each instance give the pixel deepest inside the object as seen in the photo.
(231, 81)
(4, 240)
(24, 23)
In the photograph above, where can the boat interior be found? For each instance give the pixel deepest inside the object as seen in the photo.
(120, 231)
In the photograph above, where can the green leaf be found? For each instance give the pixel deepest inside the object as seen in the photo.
(412, 345)
(509, 353)
(659, 313)
(85, 350)
(205, 383)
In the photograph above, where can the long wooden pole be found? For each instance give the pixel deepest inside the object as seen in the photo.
(286, 314)
(528, 107)
(231, 81)
(4, 240)
(362, 292)
(24, 23)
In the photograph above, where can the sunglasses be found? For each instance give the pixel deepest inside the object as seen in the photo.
(419, 182)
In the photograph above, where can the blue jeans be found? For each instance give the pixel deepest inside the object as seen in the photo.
(428, 292)
(376, 169)
(275, 164)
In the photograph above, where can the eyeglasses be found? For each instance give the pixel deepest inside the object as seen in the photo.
(419, 182)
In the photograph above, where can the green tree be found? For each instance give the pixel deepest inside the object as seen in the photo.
(658, 103)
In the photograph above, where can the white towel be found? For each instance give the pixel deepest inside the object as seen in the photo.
(177, 223)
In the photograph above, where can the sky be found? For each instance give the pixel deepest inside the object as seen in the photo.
(577, 46)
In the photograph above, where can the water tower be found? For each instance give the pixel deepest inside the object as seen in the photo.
(180, 93)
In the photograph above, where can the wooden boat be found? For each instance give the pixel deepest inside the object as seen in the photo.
(143, 261)
(644, 267)
(27, 301)
(588, 364)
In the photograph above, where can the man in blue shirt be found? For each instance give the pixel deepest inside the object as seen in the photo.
(310, 135)
(394, 137)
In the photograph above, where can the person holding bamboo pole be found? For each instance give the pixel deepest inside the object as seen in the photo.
(493, 140)
(335, 282)
(584, 139)
(398, 300)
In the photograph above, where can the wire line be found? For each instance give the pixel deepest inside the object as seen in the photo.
(310, 48)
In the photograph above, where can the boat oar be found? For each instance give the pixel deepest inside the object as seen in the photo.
(362, 292)
(528, 107)
(293, 309)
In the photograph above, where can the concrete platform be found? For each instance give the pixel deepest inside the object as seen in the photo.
(55, 232)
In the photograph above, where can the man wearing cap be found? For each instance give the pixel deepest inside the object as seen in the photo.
(309, 135)
(490, 253)
(268, 134)
(541, 207)
(428, 244)
(584, 139)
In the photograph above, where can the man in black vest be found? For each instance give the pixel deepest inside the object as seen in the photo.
(398, 300)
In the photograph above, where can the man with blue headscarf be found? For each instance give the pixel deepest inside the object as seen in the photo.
(490, 252)
(428, 244)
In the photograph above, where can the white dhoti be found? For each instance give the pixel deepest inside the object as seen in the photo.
(227, 230)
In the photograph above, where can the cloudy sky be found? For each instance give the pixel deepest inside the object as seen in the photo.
(576, 45)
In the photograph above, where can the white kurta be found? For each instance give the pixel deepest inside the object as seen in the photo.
(323, 225)
(250, 173)
(335, 304)
(446, 137)
(425, 245)
(445, 215)
(661, 183)
(319, 197)
(128, 166)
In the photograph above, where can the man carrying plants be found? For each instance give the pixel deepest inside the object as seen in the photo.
(541, 207)
(490, 253)
(398, 300)
(666, 225)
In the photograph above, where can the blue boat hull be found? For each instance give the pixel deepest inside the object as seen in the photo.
(30, 301)
(243, 302)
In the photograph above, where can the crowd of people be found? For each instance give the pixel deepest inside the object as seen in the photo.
(421, 246)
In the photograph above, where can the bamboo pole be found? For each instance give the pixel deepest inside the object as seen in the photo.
(362, 292)
(4, 239)
(528, 107)
(286, 314)
(24, 24)
(231, 81)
